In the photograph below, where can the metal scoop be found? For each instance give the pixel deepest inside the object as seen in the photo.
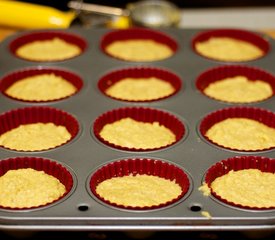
(148, 13)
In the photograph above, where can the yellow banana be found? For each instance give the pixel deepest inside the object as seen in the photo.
(33, 16)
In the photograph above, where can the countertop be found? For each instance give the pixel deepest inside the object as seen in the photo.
(246, 17)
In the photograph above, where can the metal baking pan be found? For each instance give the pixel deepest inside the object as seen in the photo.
(82, 211)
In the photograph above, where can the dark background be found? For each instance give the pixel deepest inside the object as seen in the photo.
(62, 4)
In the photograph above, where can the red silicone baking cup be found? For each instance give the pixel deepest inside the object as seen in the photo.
(229, 71)
(13, 77)
(239, 34)
(40, 164)
(139, 72)
(140, 114)
(14, 118)
(47, 35)
(238, 163)
(140, 166)
(137, 33)
(261, 115)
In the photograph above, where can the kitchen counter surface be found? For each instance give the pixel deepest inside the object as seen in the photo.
(250, 18)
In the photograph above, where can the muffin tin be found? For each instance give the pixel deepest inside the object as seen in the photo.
(86, 154)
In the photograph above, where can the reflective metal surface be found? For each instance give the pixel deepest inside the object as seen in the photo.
(154, 13)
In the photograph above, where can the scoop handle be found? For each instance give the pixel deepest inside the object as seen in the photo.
(99, 9)
(33, 16)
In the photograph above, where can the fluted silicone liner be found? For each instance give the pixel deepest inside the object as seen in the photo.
(15, 76)
(47, 35)
(145, 166)
(16, 117)
(141, 114)
(113, 77)
(237, 163)
(239, 34)
(137, 33)
(229, 71)
(258, 114)
(49, 166)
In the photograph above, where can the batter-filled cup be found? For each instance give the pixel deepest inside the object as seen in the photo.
(236, 84)
(139, 184)
(40, 84)
(140, 84)
(230, 45)
(32, 182)
(138, 45)
(36, 129)
(138, 129)
(242, 181)
(48, 46)
(247, 129)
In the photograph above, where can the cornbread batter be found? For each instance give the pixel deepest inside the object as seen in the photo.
(25, 188)
(248, 187)
(42, 87)
(138, 190)
(242, 134)
(139, 50)
(206, 214)
(130, 133)
(35, 137)
(239, 89)
(140, 89)
(206, 191)
(228, 49)
(48, 50)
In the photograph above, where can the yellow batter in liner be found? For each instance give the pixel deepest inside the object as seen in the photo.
(130, 133)
(35, 137)
(140, 89)
(239, 89)
(138, 190)
(228, 49)
(242, 134)
(26, 188)
(42, 87)
(48, 50)
(139, 50)
(248, 187)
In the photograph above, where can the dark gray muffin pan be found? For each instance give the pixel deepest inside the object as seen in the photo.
(80, 210)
